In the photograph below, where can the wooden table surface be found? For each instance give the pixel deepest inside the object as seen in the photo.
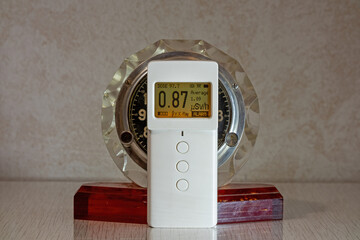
(44, 210)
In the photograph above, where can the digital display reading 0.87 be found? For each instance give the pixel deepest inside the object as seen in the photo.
(183, 100)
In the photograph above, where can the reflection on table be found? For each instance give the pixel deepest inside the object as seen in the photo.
(109, 230)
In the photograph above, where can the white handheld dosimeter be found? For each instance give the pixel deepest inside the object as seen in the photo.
(182, 143)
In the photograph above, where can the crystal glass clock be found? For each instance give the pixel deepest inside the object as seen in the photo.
(124, 117)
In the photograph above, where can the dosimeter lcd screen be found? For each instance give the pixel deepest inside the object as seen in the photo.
(183, 99)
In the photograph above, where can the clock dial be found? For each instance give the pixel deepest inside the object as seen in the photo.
(138, 116)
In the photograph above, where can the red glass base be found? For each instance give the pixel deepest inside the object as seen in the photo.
(126, 202)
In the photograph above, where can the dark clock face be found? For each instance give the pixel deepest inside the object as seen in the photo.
(138, 116)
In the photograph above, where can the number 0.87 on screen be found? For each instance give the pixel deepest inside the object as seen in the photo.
(182, 100)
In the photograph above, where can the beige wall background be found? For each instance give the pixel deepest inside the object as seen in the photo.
(57, 57)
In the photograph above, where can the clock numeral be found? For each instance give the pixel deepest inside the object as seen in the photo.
(145, 132)
(142, 114)
(221, 115)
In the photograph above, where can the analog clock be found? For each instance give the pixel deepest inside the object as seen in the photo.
(124, 116)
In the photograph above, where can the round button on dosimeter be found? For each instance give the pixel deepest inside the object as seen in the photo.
(182, 147)
(182, 166)
(182, 185)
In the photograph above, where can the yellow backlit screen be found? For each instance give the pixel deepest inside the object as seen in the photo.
(183, 99)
